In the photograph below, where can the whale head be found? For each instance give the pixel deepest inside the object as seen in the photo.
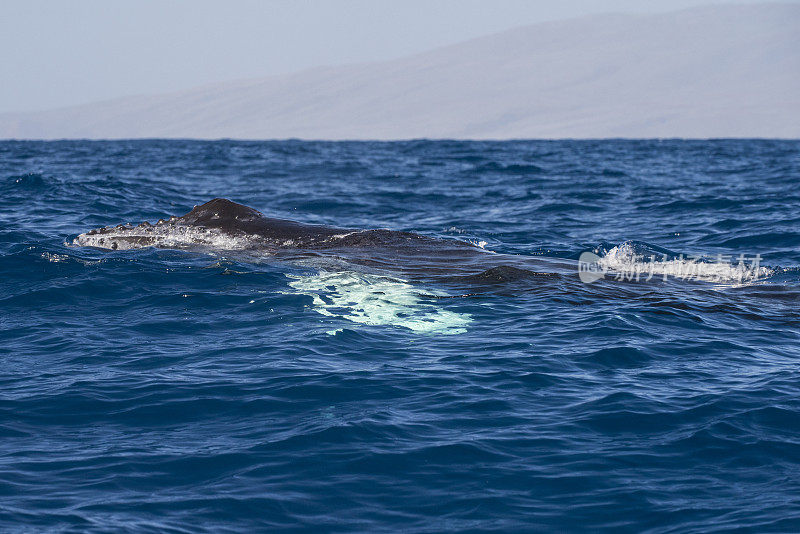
(219, 223)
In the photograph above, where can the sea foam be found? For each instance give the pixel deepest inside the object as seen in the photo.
(627, 262)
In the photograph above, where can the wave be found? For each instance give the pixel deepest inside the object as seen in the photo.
(511, 168)
(637, 261)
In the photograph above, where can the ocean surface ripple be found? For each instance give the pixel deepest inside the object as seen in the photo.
(155, 390)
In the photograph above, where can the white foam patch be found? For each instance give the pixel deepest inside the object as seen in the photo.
(623, 260)
(55, 258)
(378, 301)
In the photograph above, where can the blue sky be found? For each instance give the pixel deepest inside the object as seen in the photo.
(60, 53)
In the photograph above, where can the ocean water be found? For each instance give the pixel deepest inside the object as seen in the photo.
(229, 389)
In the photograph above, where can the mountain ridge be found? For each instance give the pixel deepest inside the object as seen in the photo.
(712, 71)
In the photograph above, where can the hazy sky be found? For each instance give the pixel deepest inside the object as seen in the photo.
(55, 53)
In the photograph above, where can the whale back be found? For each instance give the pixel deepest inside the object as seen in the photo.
(224, 224)
(221, 212)
(238, 220)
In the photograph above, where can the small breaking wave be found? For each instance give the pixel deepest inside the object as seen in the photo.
(636, 261)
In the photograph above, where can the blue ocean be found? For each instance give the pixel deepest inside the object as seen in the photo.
(392, 384)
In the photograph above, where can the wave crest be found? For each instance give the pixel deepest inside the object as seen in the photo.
(632, 260)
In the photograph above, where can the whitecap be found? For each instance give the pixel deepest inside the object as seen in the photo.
(624, 260)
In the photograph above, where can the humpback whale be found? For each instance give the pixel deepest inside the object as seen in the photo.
(367, 276)
(223, 225)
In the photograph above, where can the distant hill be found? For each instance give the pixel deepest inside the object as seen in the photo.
(718, 71)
